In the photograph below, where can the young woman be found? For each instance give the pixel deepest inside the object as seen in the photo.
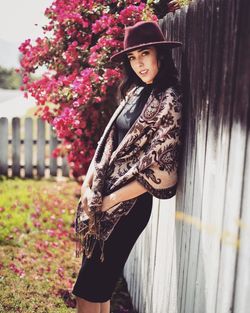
(136, 159)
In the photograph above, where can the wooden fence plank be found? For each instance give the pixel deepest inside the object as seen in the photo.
(232, 203)
(132, 269)
(28, 147)
(16, 147)
(53, 145)
(65, 167)
(40, 147)
(242, 299)
(241, 102)
(165, 246)
(3, 146)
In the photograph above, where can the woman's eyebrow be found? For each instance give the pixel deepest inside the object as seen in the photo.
(142, 49)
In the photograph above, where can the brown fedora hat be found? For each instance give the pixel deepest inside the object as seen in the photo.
(142, 34)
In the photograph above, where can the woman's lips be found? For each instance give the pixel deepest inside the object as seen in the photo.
(144, 72)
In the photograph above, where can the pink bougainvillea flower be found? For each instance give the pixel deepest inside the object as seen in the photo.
(20, 272)
(74, 94)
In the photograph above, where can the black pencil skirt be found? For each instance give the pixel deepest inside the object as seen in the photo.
(96, 280)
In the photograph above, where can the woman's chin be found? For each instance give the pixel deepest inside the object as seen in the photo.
(146, 81)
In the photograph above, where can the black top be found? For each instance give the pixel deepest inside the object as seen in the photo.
(127, 117)
(130, 113)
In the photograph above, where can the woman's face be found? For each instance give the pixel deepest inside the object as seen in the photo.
(144, 63)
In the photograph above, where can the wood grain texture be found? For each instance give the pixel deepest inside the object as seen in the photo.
(201, 257)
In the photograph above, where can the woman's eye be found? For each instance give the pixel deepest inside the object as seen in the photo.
(143, 53)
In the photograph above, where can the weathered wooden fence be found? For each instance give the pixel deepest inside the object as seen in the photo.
(25, 151)
(194, 256)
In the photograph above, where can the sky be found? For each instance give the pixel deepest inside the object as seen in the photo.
(18, 19)
(17, 23)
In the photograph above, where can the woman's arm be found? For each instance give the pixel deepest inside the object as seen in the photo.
(127, 192)
(87, 184)
(88, 180)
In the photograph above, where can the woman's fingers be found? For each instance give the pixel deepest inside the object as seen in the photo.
(83, 190)
(173, 5)
(85, 206)
(85, 194)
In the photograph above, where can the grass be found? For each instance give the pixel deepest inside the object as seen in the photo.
(38, 266)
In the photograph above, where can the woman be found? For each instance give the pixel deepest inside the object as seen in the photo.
(136, 159)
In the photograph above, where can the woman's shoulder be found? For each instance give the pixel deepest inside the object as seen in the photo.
(171, 92)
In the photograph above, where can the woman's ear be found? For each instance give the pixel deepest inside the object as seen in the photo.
(159, 61)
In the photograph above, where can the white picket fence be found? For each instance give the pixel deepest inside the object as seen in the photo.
(151, 271)
(25, 151)
(194, 255)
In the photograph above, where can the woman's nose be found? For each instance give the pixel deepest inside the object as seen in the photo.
(139, 62)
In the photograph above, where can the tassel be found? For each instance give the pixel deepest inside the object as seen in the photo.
(101, 242)
(86, 235)
(78, 249)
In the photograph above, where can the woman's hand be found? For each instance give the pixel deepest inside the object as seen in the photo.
(129, 191)
(85, 193)
(173, 5)
(108, 202)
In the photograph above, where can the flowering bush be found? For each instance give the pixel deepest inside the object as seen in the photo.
(75, 95)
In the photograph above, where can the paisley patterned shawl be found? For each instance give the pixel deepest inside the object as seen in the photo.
(149, 153)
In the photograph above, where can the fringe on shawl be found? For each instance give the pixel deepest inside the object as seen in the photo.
(87, 233)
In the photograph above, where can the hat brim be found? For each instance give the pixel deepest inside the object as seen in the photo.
(118, 57)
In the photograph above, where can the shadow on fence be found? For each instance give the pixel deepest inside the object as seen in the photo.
(194, 255)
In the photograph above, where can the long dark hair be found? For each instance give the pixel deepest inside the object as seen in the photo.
(165, 78)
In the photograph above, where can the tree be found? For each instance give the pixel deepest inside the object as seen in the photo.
(78, 41)
(9, 78)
